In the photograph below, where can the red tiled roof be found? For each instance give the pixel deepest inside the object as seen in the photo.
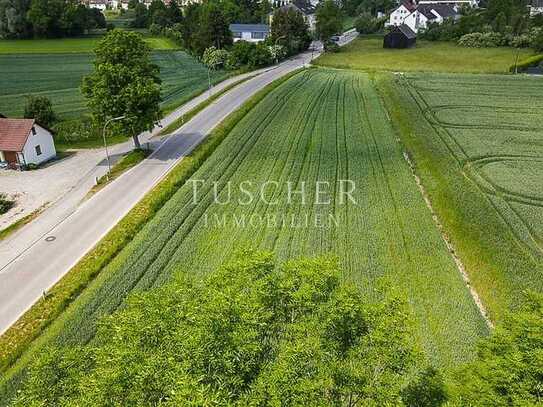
(13, 133)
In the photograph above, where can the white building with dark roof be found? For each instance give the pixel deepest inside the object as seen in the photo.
(426, 13)
(536, 7)
(250, 32)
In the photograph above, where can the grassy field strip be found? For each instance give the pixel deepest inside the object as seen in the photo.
(367, 54)
(58, 76)
(476, 142)
(70, 45)
(44, 321)
(450, 246)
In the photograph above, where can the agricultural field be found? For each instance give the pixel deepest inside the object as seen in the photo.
(58, 76)
(69, 45)
(367, 54)
(320, 126)
(478, 141)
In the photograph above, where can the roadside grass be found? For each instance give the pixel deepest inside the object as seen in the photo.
(193, 112)
(19, 224)
(71, 45)
(368, 54)
(45, 320)
(130, 160)
(490, 208)
(97, 141)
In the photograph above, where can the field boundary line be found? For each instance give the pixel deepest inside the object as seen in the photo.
(450, 247)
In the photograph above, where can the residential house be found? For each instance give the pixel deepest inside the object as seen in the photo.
(24, 142)
(250, 32)
(98, 4)
(430, 13)
(398, 16)
(536, 7)
(305, 7)
(400, 36)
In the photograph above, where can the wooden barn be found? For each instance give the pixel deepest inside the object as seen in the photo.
(400, 37)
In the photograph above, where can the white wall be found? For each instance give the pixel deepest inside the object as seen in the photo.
(45, 140)
(246, 36)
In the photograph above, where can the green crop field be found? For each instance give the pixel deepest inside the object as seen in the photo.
(320, 126)
(479, 142)
(69, 45)
(58, 76)
(367, 54)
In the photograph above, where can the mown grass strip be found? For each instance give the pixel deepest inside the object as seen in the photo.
(20, 338)
(193, 112)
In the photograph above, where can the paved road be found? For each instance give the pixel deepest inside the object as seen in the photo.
(58, 239)
(24, 279)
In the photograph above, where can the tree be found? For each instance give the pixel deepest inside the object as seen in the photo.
(45, 17)
(124, 83)
(366, 24)
(329, 20)
(13, 21)
(213, 28)
(40, 108)
(289, 29)
(508, 370)
(250, 333)
(141, 16)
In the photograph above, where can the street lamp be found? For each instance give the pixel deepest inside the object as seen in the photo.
(105, 143)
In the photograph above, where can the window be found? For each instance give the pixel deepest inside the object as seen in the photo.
(38, 150)
(258, 35)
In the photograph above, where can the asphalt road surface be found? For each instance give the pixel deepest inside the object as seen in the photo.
(35, 269)
(46, 249)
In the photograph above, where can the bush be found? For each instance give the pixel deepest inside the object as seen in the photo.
(245, 53)
(155, 29)
(482, 40)
(278, 52)
(215, 58)
(5, 204)
(40, 108)
(366, 24)
(331, 46)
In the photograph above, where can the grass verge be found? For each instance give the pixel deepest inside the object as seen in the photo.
(130, 160)
(193, 112)
(27, 336)
(4, 233)
(368, 54)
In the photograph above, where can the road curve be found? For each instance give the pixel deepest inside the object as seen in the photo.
(25, 278)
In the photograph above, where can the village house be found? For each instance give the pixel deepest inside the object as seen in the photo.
(536, 7)
(24, 142)
(398, 16)
(400, 36)
(98, 4)
(305, 7)
(250, 32)
(426, 13)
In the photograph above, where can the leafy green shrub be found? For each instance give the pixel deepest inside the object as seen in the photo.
(40, 108)
(367, 24)
(331, 46)
(5, 204)
(508, 370)
(215, 58)
(245, 53)
(250, 333)
(482, 40)
(526, 63)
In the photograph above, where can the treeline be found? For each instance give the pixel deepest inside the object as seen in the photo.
(47, 18)
(496, 23)
(259, 333)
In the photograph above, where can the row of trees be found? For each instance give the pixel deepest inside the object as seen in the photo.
(258, 333)
(47, 18)
(502, 22)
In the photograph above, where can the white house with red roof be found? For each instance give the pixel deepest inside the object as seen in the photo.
(24, 142)
(398, 16)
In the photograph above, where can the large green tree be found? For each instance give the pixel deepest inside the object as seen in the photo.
(251, 333)
(329, 20)
(124, 83)
(289, 29)
(508, 370)
(13, 21)
(212, 29)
